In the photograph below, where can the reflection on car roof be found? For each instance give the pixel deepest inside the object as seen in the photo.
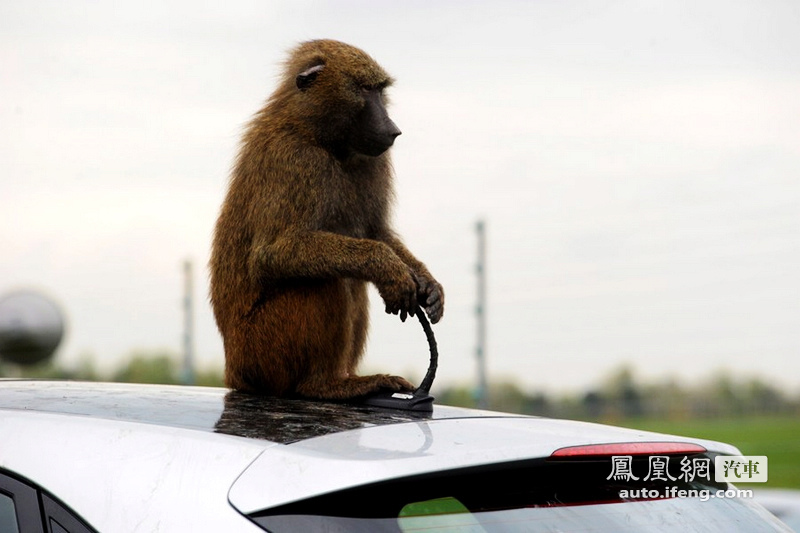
(207, 409)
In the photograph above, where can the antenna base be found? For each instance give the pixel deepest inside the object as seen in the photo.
(416, 401)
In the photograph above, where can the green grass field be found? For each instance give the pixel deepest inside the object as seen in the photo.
(777, 437)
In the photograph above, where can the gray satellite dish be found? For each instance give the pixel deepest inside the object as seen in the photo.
(31, 327)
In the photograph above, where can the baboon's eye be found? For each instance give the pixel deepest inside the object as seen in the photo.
(366, 88)
(305, 79)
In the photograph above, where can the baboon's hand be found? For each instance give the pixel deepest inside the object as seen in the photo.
(430, 296)
(400, 294)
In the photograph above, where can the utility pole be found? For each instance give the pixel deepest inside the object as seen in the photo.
(187, 372)
(482, 393)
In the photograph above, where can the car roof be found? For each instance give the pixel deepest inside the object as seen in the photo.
(276, 420)
(208, 409)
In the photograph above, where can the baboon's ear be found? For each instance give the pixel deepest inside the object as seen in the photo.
(305, 79)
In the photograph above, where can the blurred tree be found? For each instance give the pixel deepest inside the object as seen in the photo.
(149, 367)
(717, 396)
(666, 400)
(507, 397)
(209, 378)
(763, 398)
(85, 370)
(458, 396)
(538, 404)
(623, 393)
(595, 404)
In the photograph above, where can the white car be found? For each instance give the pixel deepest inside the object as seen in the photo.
(783, 503)
(83, 457)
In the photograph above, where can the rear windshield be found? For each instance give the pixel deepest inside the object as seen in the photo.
(588, 495)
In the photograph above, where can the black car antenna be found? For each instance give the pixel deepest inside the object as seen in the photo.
(420, 399)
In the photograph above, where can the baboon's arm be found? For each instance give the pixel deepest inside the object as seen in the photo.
(322, 255)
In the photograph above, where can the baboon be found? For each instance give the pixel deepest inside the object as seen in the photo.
(305, 226)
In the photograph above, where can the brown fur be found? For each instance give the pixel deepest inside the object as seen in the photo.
(304, 226)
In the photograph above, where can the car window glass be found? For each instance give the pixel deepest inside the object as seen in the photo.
(8, 515)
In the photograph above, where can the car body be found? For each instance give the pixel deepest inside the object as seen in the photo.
(783, 503)
(121, 457)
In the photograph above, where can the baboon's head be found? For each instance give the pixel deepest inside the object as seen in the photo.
(338, 91)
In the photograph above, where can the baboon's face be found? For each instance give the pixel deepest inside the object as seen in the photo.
(350, 105)
(373, 131)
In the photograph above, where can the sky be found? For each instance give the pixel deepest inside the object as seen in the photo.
(636, 164)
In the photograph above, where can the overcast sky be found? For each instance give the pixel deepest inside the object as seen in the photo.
(636, 163)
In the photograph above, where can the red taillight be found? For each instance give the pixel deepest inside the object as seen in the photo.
(628, 448)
